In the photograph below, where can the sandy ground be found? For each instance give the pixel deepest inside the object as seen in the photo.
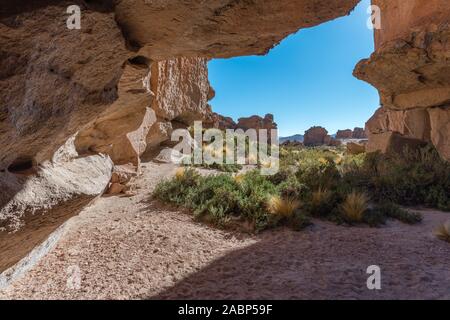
(129, 247)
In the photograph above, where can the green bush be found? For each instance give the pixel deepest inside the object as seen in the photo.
(418, 177)
(219, 198)
(319, 174)
(393, 211)
(292, 188)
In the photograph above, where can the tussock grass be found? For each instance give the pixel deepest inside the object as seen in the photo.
(180, 173)
(443, 231)
(354, 206)
(282, 207)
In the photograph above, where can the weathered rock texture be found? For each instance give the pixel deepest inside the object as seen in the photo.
(344, 134)
(149, 100)
(316, 136)
(411, 70)
(53, 80)
(359, 133)
(220, 122)
(257, 123)
(32, 207)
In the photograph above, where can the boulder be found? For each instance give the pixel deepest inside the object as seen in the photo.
(355, 148)
(257, 123)
(359, 133)
(344, 134)
(316, 136)
(392, 142)
(34, 206)
(409, 68)
(440, 130)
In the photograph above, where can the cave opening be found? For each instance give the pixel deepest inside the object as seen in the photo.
(22, 165)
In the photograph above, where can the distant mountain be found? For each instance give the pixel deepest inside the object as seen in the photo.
(297, 137)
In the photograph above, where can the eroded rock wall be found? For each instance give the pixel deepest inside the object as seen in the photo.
(411, 70)
(53, 80)
(33, 206)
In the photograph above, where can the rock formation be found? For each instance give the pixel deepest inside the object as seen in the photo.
(355, 148)
(344, 134)
(174, 90)
(359, 133)
(122, 84)
(316, 136)
(32, 207)
(257, 123)
(410, 69)
(219, 121)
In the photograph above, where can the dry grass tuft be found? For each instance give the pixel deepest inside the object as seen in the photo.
(320, 196)
(443, 231)
(282, 207)
(239, 178)
(354, 206)
(180, 173)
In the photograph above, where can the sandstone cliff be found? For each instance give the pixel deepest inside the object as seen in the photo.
(410, 70)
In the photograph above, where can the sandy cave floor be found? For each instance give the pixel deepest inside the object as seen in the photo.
(130, 247)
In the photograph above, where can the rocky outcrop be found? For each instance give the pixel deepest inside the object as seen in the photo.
(173, 90)
(355, 148)
(32, 207)
(53, 81)
(359, 133)
(220, 122)
(257, 123)
(440, 130)
(316, 136)
(410, 70)
(344, 134)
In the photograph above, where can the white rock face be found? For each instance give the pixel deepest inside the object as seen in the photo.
(33, 206)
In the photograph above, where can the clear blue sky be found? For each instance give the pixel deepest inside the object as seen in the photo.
(306, 80)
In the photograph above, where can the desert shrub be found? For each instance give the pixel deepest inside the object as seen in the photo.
(419, 177)
(319, 174)
(282, 175)
(292, 188)
(393, 211)
(217, 198)
(223, 199)
(374, 218)
(443, 231)
(176, 190)
(321, 203)
(215, 194)
(299, 221)
(354, 207)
